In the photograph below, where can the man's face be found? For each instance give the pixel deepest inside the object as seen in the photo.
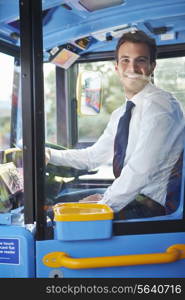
(134, 67)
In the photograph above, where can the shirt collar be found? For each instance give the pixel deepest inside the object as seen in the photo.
(137, 99)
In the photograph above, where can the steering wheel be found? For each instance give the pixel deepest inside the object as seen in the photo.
(63, 171)
(53, 187)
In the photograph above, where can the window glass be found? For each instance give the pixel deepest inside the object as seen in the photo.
(112, 97)
(6, 80)
(11, 175)
(50, 102)
(170, 76)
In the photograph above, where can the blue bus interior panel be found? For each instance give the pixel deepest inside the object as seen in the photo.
(71, 22)
(16, 252)
(117, 245)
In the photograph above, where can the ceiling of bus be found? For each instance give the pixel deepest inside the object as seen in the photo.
(74, 22)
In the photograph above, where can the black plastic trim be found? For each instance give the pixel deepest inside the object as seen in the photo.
(9, 49)
(165, 51)
(32, 88)
(148, 227)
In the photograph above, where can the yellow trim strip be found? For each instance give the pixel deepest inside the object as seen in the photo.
(61, 259)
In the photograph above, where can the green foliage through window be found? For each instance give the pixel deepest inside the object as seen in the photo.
(112, 98)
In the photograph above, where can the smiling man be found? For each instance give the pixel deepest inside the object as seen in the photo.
(135, 64)
(144, 137)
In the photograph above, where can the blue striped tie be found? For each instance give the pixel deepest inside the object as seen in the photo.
(121, 139)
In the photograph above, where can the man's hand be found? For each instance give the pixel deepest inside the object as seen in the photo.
(92, 198)
(47, 155)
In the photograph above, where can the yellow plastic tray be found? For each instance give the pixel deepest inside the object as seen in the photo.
(82, 212)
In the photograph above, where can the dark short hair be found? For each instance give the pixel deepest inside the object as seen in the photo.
(138, 37)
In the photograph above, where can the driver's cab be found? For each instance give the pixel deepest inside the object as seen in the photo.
(64, 101)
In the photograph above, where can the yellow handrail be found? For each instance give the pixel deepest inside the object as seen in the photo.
(12, 150)
(62, 259)
(9, 151)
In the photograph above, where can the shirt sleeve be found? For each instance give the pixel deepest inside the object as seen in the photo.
(90, 157)
(159, 134)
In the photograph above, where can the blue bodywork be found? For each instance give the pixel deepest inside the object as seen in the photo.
(117, 245)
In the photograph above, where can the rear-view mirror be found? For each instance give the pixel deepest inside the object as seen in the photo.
(89, 91)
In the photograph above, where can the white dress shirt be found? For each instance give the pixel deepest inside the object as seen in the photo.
(156, 139)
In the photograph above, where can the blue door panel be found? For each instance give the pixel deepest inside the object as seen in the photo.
(117, 245)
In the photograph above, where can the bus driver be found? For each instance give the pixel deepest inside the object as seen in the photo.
(144, 137)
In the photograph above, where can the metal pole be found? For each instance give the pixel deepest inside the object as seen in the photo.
(62, 127)
(33, 113)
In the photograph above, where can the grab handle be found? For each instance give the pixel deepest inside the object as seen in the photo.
(62, 259)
